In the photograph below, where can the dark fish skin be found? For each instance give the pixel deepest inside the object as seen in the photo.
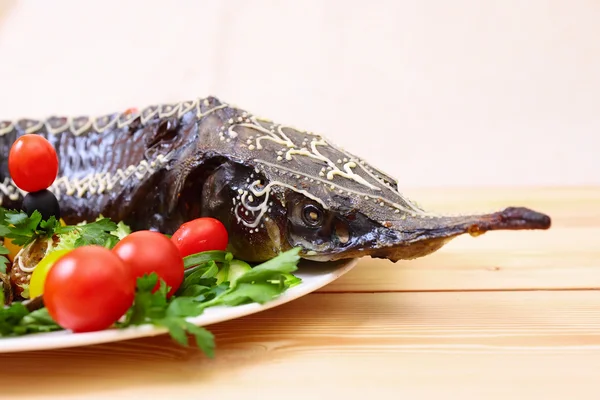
(273, 186)
(107, 145)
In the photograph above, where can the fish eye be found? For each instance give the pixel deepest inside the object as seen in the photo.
(312, 215)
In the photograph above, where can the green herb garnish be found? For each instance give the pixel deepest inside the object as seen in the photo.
(154, 308)
(212, 278)
(16, 320)
(3, 260)
(97, 233)
(198, 292)
(23, 229)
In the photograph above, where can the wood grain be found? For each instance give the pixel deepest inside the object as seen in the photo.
(415, 344)
(571, 206)
(505, 315)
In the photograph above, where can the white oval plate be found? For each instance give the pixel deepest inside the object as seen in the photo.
(314, 276)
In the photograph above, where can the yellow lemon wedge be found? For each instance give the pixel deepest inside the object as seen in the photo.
(38, 277)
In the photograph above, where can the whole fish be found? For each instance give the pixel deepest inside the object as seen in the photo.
(273, 186)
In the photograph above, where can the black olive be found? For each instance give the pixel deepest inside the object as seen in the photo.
(44, 201)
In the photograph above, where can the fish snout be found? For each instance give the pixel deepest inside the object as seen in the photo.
(523, 218)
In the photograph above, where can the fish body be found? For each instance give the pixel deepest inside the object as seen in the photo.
(273, 186)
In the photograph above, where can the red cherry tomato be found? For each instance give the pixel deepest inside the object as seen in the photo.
(201, 234)
(132, 110)
(146, 251)
(33, 163)
(88, 289)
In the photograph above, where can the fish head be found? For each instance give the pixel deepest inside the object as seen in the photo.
(276, 187)
(334, 231)
(350, 228)
(335, 205)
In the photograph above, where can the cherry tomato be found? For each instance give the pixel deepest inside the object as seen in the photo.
(38, 277)
(201, 234)
(32, 163)
(129, 111)
(145, 252)
(88, 289)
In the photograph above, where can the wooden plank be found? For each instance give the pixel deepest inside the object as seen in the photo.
(568, 206)
(558, 259)
(565, 256)
(476, 345)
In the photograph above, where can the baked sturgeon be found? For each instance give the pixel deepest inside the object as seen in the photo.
(273, 186)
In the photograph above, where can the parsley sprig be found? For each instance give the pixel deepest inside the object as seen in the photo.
(99, 232)
(23, 229)
(154, 308)
(200, 291)
(3, 260)
(17, 320)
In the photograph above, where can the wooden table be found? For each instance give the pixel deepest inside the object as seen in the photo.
(505, 315)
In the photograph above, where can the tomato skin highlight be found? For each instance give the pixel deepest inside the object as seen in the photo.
(33, 163)
(38, 277)
(145, 252)
(88, 289)
(200, 234)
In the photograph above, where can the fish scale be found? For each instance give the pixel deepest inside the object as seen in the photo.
(273, 186)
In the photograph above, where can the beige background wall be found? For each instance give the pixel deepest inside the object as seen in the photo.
(463, 92)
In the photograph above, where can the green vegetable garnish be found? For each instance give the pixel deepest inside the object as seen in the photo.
(194, 260)
(200, 291)
(154, 308)
(121, 231)
(16, 320)
(25, 229)
(3, 259)
(214, 279)
(98, 233)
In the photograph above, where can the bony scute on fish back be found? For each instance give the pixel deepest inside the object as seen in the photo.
(273, 187)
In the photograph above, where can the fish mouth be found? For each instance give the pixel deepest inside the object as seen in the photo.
(417, 237)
